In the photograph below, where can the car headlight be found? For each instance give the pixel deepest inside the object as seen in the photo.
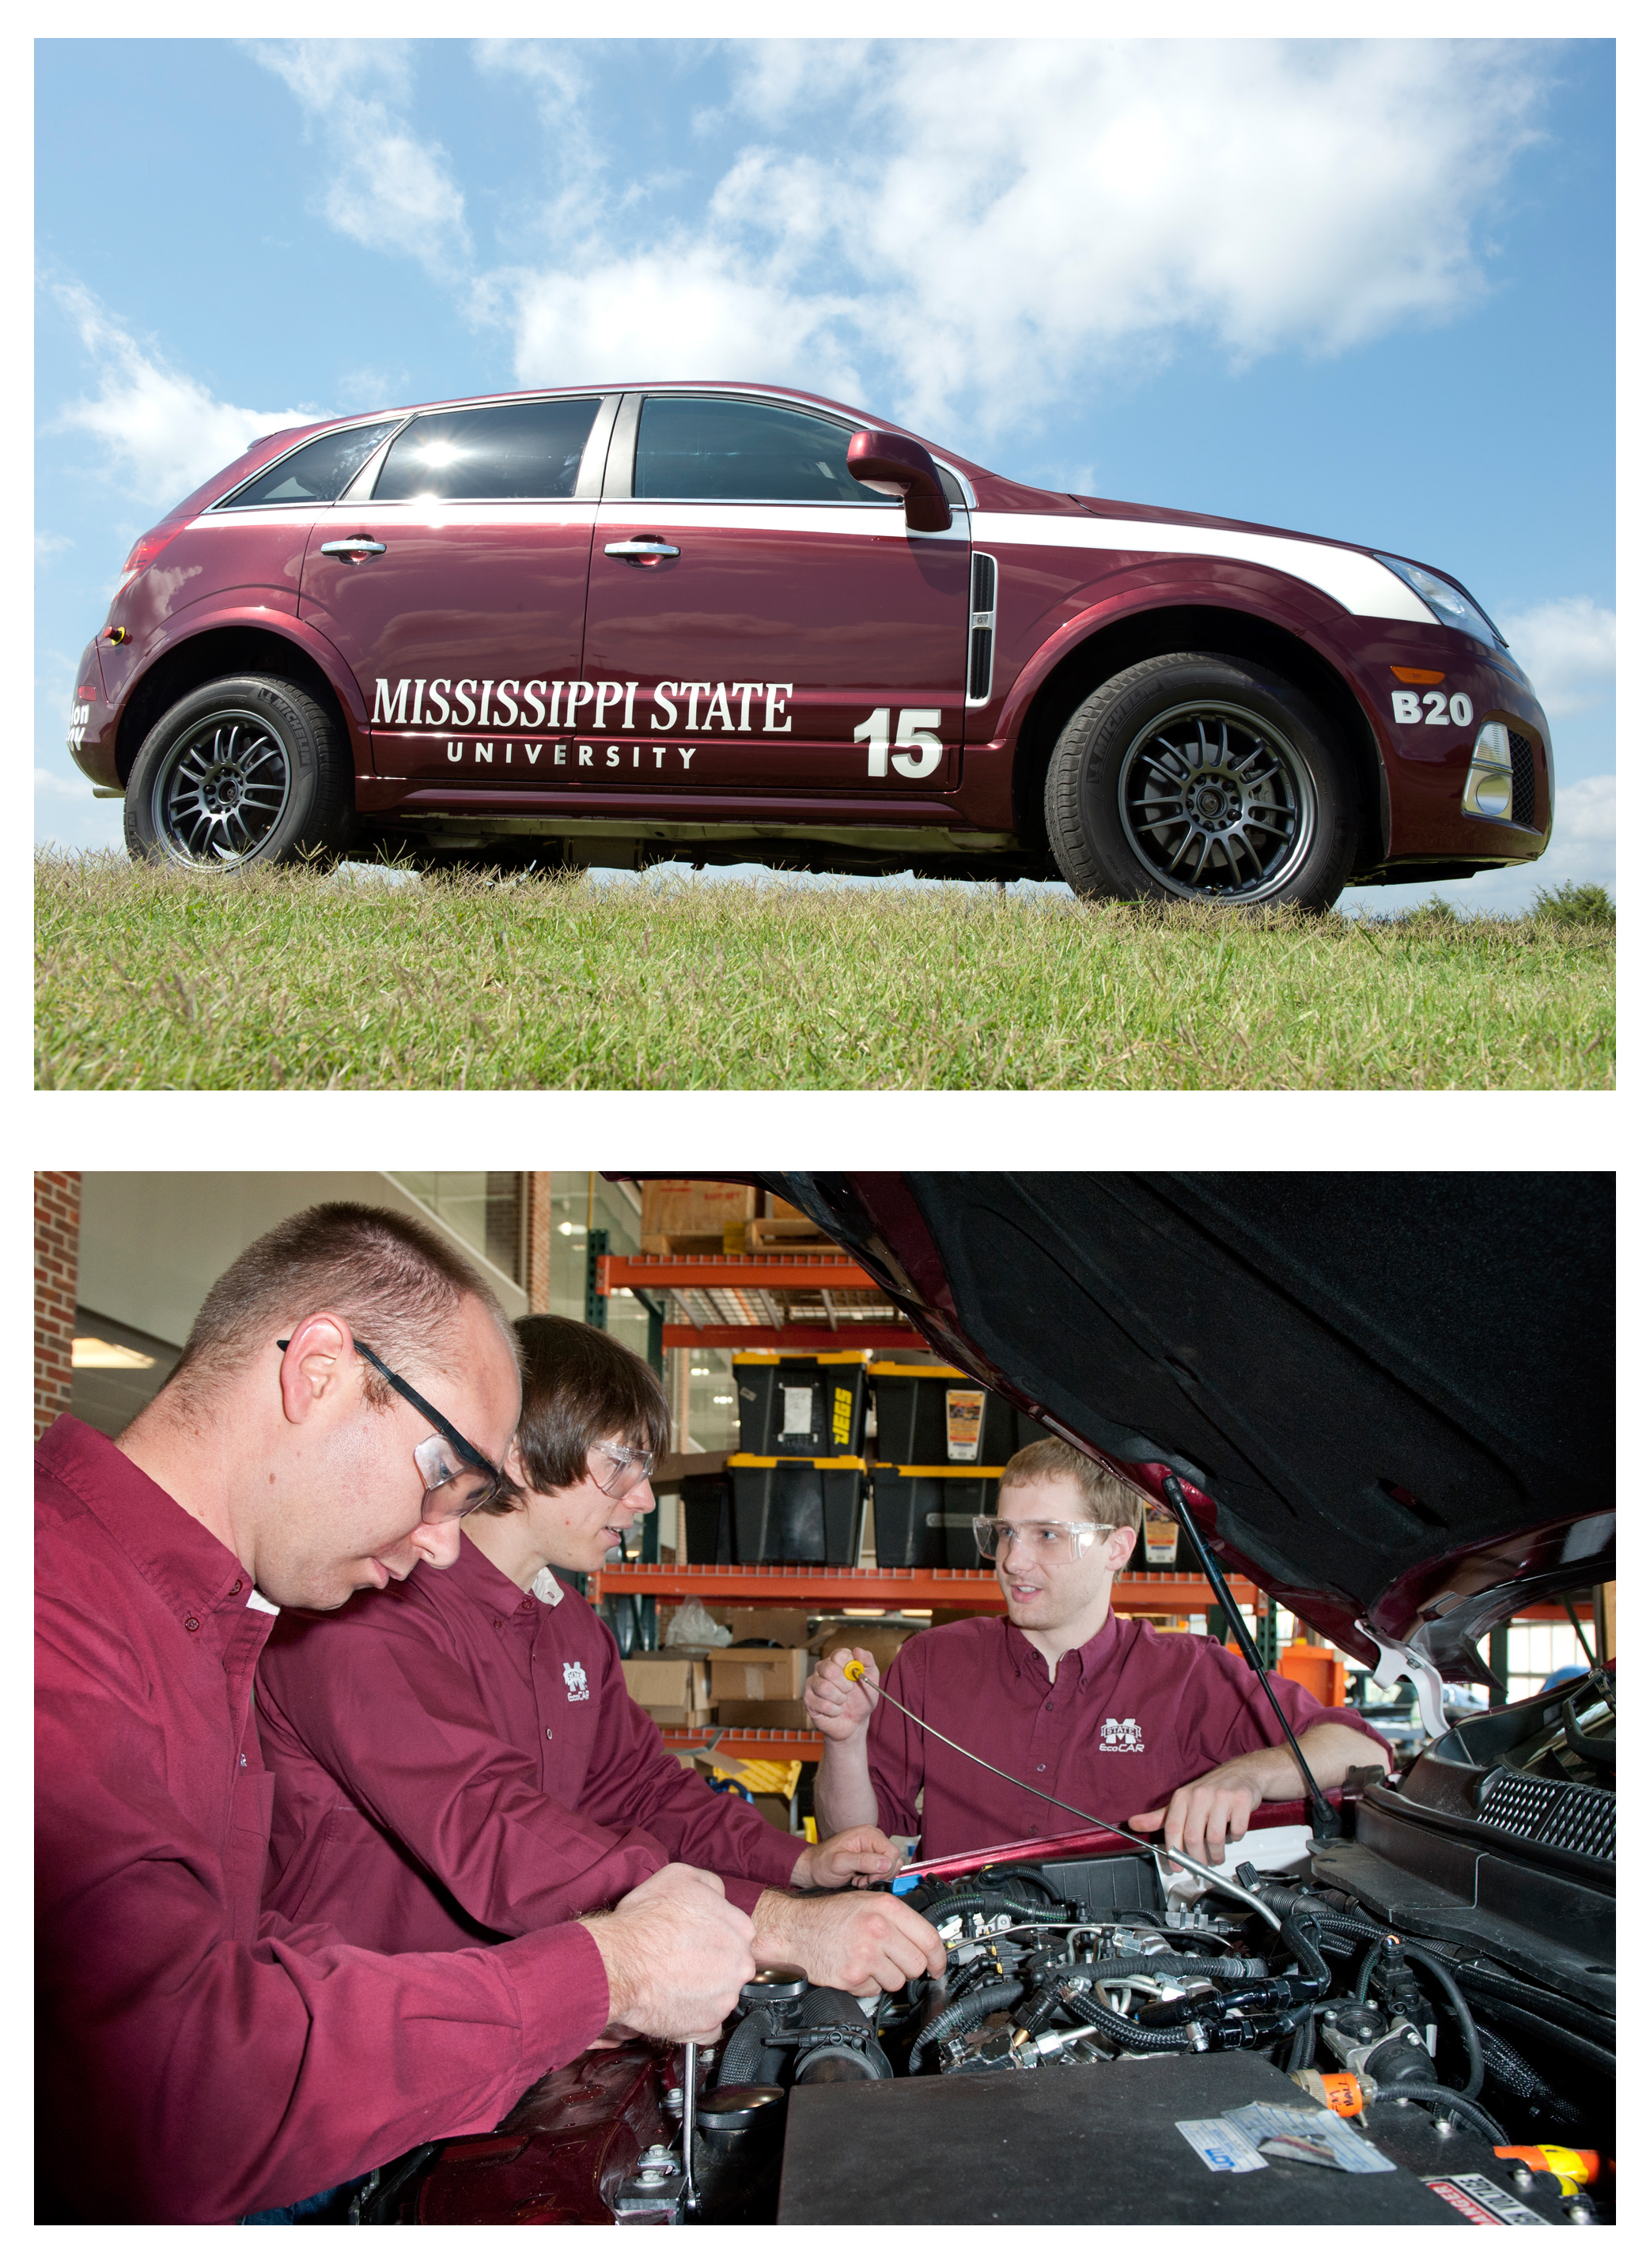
(1447, 601)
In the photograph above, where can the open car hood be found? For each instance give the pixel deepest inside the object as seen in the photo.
(1391, 1395)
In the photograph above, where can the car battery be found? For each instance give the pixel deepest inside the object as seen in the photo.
(806, 1512)
(924, 1514)
(801, 1405)
(927, 1415)
(705, 1538)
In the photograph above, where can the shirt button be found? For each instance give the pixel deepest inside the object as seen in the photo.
(1048, 1705)
(233, 1588)
(1042, 1768)
(189, 1623)
(548, 1734)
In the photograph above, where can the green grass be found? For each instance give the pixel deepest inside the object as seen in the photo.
(296, 979)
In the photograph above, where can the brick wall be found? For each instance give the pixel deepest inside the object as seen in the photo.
(57, 1269)
(537, 1286)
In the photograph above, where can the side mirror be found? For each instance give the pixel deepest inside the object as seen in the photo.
(894, 466)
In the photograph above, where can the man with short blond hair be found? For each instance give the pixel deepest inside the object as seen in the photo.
(348, 1393)
(1150, 1728)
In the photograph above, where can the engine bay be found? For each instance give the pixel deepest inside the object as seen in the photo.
(1438, 1984)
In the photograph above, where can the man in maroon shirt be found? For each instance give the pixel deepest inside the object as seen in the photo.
(201, 2059)
(456, 1759)
(1152, 1729)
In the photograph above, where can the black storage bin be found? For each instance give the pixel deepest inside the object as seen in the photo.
(917, 1406)
(803, 1512)
(706, 1538)
(774, 1421)
(925, 1513)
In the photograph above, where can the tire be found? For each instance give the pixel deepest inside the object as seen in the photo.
(245, 771)
(1194, 775)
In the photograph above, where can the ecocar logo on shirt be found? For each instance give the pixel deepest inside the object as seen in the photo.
(535, 705)
(1123, 1736)
(576, 1681)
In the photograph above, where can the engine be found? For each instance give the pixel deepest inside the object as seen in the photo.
(1445, 1977)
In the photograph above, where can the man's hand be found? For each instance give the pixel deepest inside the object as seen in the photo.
(859, 1856)
(676, 1953)
(864, 1942)
(1207, 1814)
(841, 1709)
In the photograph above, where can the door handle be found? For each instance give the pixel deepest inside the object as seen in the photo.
(351, 547)
(642, 547)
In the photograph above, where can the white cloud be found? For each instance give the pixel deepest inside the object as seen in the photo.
(380, 183)
(1567, 649)
(1584, 824)
(1004, 217)
(46, 544)
(76, 790)
(163, 432)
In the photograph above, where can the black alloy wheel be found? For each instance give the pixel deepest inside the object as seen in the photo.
(245, 771)
(1198, 776)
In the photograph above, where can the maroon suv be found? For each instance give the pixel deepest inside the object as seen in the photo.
(459, 632)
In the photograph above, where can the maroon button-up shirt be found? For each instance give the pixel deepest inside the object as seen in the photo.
(1128, 1717)
(201, 2059)
(456, 1759)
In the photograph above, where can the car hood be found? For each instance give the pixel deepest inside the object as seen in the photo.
(1391, 1394)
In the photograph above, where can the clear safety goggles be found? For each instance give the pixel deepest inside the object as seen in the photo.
(457, 1479)
(1051, 1542)
(615, 1469)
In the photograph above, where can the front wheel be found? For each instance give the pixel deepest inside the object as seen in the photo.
(1194, 775)
(245, 771)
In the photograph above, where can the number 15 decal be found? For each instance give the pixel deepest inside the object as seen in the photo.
(919, 731)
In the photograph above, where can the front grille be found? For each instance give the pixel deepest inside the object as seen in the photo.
(1582, 1819)
(1523, 780)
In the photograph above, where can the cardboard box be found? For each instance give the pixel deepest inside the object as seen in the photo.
(690, 1718)
(785, 1625)
(756, 1673)
(777, 1716)
(695, 1209)
(872, 1637)
(658, 1682)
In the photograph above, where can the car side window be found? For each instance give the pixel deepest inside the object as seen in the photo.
(699, 446)
(510, 449)
(319, 473)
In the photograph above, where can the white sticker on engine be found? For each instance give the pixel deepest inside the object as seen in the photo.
(1220, 2146)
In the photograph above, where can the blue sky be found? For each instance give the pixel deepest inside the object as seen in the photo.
(1362, 289)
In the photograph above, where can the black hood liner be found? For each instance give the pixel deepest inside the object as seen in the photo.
(1370, 1373)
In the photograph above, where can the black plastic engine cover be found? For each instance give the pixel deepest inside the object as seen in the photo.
(1093, 2143)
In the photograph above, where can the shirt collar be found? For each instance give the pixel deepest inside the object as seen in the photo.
(181, 1560)
(476, 1575)
(1091, 1659)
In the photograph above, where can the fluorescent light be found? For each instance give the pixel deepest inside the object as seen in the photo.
(99, 1354)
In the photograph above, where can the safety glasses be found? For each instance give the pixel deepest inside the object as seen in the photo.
(1051, 1542)
(615, 1469)
(455, 1485)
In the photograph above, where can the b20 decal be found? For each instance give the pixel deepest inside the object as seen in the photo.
(1441, 709)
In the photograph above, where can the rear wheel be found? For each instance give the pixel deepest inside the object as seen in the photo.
(245, 771)
(1194, 775)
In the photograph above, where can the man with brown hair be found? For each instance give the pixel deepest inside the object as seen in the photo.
(347, 1395)
(1150, 1728)
(457, 1760)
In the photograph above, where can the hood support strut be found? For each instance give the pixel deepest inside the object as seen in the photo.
(1326, 1828)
